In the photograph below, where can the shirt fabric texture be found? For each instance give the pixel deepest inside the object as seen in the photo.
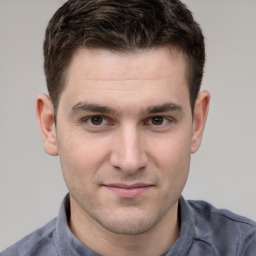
(204, 231)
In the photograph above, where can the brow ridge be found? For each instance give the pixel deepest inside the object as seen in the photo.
(93, 107)
(83, 107)
(163, 108)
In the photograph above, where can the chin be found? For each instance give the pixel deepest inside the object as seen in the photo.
(132, 227)
(134, 223)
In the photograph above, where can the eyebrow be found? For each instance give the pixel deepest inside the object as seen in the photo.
(83, 107)
(163, 108)
(91, 107)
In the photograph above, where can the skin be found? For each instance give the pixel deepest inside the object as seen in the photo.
(125, 134)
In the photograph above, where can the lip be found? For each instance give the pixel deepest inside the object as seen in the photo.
(128, 190)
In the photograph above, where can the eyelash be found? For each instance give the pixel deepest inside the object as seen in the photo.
(163, 118)
(106, 121)
(89, 120)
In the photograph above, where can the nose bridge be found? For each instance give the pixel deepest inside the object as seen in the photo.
(128, 152)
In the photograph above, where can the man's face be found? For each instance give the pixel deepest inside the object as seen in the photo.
(124, 136)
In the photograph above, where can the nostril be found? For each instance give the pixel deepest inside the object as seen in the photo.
(130, 166)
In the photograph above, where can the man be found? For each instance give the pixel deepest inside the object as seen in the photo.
(124, 113)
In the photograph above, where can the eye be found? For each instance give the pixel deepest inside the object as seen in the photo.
(97, 123)
(158, 120)
(96, 120)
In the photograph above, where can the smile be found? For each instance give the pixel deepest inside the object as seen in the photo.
(129, 191)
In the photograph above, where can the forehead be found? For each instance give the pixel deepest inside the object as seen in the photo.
(153, 64)
(133, 80)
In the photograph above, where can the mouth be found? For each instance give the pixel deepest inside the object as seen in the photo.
(128, 190)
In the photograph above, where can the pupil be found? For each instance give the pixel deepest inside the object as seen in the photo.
(157, 120)
(96, 120)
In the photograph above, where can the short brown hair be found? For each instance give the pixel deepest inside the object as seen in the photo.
(122, 26)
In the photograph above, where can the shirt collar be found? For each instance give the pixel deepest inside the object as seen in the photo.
(187, 230)
(67, 244)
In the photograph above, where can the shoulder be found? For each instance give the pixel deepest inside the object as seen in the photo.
(40, 242)
(223, 230)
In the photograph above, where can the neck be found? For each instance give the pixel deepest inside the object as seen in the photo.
(156, 241)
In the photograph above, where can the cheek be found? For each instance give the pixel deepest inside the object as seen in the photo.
(172, 159)
(80, 146)
(176, 165)
(81, 156)
(171, 151)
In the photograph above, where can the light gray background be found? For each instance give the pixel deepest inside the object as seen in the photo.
(222, 172)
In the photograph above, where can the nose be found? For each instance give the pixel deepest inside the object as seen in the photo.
(128, 151)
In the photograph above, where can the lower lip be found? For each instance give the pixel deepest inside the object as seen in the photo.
(129, 192)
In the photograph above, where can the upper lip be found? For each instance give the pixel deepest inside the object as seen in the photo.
(124, 185)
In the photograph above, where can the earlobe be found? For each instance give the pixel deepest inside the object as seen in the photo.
(45, 117)
(200, 116)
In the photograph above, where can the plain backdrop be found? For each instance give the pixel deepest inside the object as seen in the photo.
(223, 172)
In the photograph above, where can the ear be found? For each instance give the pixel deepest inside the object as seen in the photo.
(200, 115)
(45, 117)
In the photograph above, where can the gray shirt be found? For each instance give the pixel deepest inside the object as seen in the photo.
(204, 230)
